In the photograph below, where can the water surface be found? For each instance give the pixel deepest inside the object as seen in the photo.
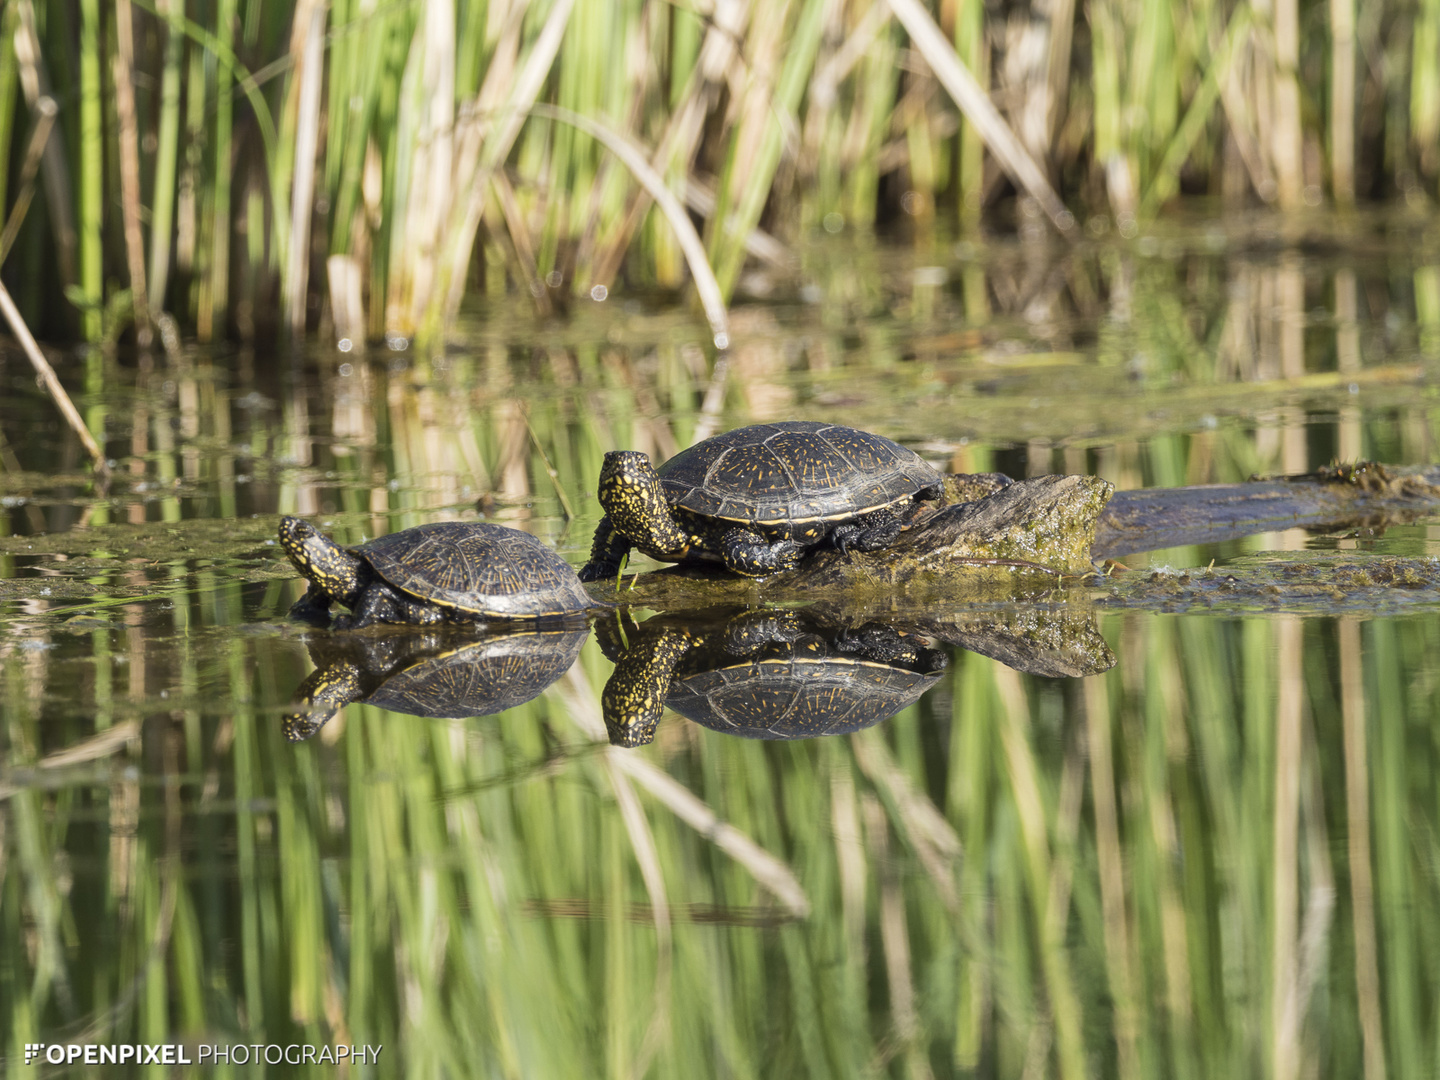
(1215, 857)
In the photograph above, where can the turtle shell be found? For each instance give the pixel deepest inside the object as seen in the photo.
(479, 569)
(793, 472)
(488, 676)
(797, 697)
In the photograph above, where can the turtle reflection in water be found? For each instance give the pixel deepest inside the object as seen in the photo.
(775, 674)
(429, 673)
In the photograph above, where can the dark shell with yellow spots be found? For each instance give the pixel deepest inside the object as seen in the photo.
(478, 568)
(757, 497)
(798, 476)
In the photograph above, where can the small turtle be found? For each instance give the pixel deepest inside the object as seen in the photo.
(450, 571)
(761, 675)
(429, 673)
(757, 497)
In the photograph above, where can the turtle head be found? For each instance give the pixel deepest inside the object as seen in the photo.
(631, 494)
(329, 566)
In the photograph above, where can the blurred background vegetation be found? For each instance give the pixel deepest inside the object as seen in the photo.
(254, 169)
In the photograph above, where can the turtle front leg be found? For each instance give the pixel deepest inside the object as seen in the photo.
(383, 604)
(869, 532)
(747, 552)
(313, 607)
(607, 552)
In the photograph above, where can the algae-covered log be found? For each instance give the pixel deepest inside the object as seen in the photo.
(1022, 536)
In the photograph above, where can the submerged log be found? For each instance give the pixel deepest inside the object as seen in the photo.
(1363, 495)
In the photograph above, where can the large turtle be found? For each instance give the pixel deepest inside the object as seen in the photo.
(757, 497)
(456, 571)
(429, 673)
(761, 675)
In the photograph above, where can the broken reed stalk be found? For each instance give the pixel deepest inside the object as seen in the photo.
(51, 381)
(712, 299)
(307, 139)
(975, 103)
(129, 138)
(46, 111)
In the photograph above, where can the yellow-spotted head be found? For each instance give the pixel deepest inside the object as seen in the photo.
(329, 566)
(631, 494)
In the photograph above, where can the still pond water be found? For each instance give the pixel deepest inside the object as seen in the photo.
(1217, 855)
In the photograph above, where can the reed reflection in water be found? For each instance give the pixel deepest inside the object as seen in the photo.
(1214, 857)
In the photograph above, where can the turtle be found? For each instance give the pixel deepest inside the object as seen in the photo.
(430, 673)
(449, 571)
(761, 675)
(758, 497)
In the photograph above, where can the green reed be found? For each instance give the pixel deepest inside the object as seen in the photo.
(427, 172)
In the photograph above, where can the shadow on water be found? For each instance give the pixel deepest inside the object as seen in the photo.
(1213, 856)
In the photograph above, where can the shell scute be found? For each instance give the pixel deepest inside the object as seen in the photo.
(479, 569)
(793, 472)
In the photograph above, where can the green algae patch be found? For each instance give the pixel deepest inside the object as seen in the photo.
(1043, 527)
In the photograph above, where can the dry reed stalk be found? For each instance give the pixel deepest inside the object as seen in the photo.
(514, 221)
(56, 172)
(1024, 79)
(712, 299)
(681, 138)
(642, 80)
(433, 186)
(310, 71)
(347, 309)
(972, 100)
(750, 114)
(489, 156)
(1286, 138)
(1342, 101)
(129, 139)
(52, 382)
(46, 110)
(476, 119)
(758, 242)
(1062, 35)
